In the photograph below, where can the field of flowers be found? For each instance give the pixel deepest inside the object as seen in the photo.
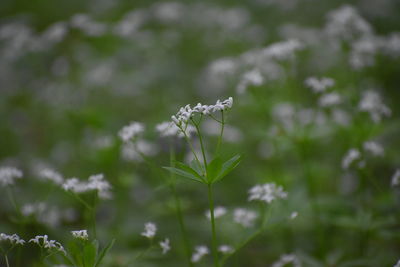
(200, 133)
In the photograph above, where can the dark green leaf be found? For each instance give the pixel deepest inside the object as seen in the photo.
(89, 254)
(188, 169)
(104, 252)
(183, 174)
(228, 166)
(213, 169)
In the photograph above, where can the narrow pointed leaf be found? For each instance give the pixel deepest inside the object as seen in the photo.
(188, 169)
(214, 168)
(183, 174)
(104, 252)
(228, 166)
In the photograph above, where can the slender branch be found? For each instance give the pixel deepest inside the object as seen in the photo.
(221, 133)
(214, 235)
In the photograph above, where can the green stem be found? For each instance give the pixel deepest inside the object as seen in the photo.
(5, 256)
(221, 133)
(179, 214)
(214, 235)
(93, 211)
(190, 146)
(201, 144)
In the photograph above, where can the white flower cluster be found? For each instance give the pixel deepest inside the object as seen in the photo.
(396, 178)
(52, 175)
(131, 131)
(286, 259)
(266, 192)
(165, 246)
(33, 208)
(218, 212)
(199, 252)
(48, 244)
(14, 239)
(355, 155)
(319, 85)
(372, 103)
(8, 175)
(96, 182)
(80, 234)
(182, 118)
(397, 264)
(244, 217)
(283, 50)
(167, 129)
(150, 230)
(252, 77)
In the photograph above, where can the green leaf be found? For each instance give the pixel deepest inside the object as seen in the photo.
(197, 167)
(76, 253)
(227, 167)
(89, 254)
(188, 169)
(104, 252)
(185, 174)
(213, 169)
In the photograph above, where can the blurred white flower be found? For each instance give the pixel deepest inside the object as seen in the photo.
(351, 156)
(219, 211)
(286, 259)
(266, 192)
(80, 234)
(374, 148)
(14, 239)
(396, 178)
(319, 85)
(95, 182)
(165, 246)
(329, 100)
(199, 252)
(293, 215)
(371, 102)
(244, 217)
(8, 175)
(225, 249)
(250, 78)
(131, 131)
(150, 230)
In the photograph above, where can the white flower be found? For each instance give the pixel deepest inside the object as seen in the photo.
(13, 239)
(286, 259)
(374, 148)
(329, 100)
(165, 246)
(167, 128)
(253, 77)
(351, 156)
(8, 175)
(200, 252)
(51, 175)
(218, 212)
(397, 264)
(371, 102)
(181, 119)
(80, 234)
(96, 182)
(131, 131)
(150, 230)
(319, 85)
(396, 178)
(46, 243)
(266, 192)
(293, 215)
(244, 217)
(225, 249)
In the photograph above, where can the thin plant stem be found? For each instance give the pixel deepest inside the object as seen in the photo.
(190, 146)
(179, 214)
(214, 235)
(93, 211)
(221, 133)
(5, 256)
(201, 144)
